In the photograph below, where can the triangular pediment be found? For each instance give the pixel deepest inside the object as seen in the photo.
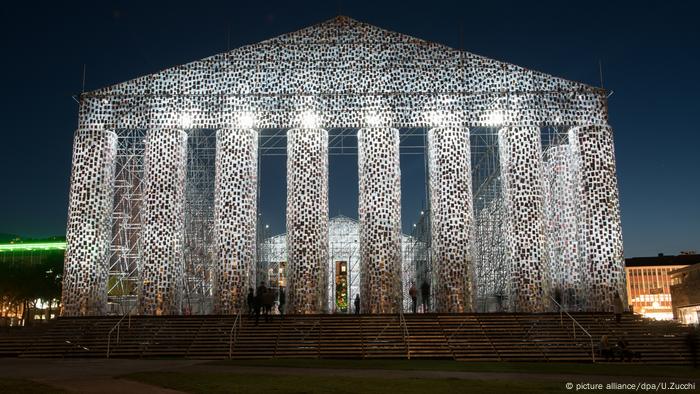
(342, 68)
(343, 31)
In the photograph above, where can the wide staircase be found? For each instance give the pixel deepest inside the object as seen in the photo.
(463, 337)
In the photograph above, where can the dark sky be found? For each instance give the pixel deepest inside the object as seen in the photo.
(650, 56)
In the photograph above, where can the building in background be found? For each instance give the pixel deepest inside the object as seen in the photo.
(649, 283)
(685, 292)
(343, 264)
(30, 280)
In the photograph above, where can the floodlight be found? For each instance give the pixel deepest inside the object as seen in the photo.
(496, 118)
(186, 121)
(436, 118)
(246, 120)
(310, 120)
(373, 119)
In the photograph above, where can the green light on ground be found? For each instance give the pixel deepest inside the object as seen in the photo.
(33, 246)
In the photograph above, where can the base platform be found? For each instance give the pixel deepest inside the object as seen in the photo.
(464, 337)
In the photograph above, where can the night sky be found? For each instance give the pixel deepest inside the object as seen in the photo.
(650, 56)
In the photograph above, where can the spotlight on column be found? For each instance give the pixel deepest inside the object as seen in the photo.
(246, 120)
(186, 121)
(436, 118)
(495, 118)
(373, 119)
(310, 120)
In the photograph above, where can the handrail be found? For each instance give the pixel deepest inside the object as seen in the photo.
(573, 325)
(116, 327)
(456, 331)
(402, 322)
(308, 332)
(234, 332)
(387, 325)
(529, 330)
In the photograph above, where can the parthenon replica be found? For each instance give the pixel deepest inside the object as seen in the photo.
(523, 196)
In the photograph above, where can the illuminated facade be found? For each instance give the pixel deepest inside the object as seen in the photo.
(150, 179)
(451, 199)
(235, 214)
(307, 219)
(649, 291)
(650, 282)
(343, 265)
(685, 293)
(19, 260)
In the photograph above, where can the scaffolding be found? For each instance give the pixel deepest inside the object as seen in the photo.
(199, 220)
(490, 261)
(345, 70)
(125, 250)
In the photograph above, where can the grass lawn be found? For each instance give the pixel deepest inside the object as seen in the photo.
(252, 383)
(26, 386)
(448, 365)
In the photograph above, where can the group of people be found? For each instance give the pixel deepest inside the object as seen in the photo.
(424, 293)
(621, 349)
(413, 292)
(262, 300)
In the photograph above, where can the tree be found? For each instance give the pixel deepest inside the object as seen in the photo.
(26, 278)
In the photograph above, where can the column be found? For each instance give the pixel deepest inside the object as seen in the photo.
(88, 233)
(599, 215)
(380, 220)
(235, 221)
(563, 235)
(307, 220)
(408, 272)
(520, 151)
(452, 217)
(162, 269)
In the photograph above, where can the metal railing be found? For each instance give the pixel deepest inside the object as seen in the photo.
(117, 327)
(456, 331)
(574, 323)
(238, 321)
(532, 327)
(308, 332)
(381, 333)
(402, 322)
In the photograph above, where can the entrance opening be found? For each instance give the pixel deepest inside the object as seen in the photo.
(341, 286)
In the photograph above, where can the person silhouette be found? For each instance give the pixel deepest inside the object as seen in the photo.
(413, 292)
(283, 300)
(425, 296)
(251, 301)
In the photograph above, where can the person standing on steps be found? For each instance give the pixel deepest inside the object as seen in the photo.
(357, 304)
(268, 300)
(413, 292)
(251, 302)
(425, 296)
(259, 300)
(557, 298)
(283, 300)
(617, 307)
